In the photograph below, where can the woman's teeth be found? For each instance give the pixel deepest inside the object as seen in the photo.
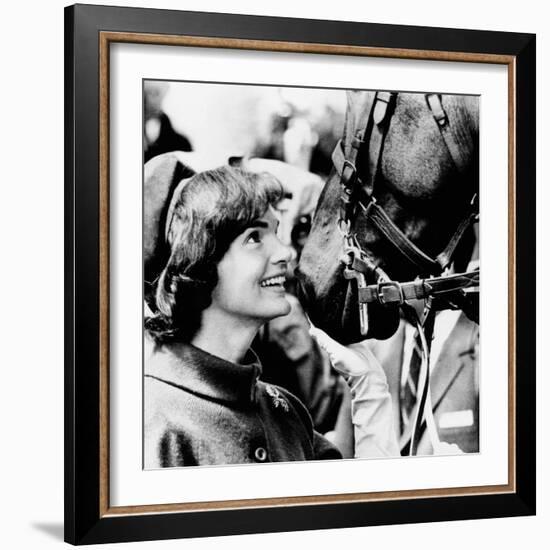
(274, 281)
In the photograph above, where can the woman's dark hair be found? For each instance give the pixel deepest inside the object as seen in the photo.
(210, 210)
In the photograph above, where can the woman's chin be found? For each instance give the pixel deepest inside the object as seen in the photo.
(283, 307)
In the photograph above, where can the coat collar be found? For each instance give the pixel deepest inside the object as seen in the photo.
(199, 372)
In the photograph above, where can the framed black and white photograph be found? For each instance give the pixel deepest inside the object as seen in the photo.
(298, 275)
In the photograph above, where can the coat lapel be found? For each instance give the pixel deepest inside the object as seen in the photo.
(455, 354)
(452, 358)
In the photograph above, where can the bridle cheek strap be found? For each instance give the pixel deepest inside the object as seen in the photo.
(456, 137)
(373, 124)
(398, 239)
(387, 227)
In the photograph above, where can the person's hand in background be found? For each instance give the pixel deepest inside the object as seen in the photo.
(371, 403)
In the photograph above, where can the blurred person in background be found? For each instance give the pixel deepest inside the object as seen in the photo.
(302, 132)
(159, 135)
(454, 372)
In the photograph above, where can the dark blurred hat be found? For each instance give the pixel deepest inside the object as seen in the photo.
(162, 175)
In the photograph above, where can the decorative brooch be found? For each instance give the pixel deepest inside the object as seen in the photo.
(278, 399)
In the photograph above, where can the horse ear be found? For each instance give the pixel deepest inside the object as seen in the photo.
(162, 174)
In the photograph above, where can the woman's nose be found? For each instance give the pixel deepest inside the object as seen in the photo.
(283, 253)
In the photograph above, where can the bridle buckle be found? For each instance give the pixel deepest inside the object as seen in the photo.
(349, 173)
(390, 292)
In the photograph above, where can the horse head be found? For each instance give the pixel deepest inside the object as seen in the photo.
(415, 157)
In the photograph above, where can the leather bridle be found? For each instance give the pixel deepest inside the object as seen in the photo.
(357, 193)
(443, 289)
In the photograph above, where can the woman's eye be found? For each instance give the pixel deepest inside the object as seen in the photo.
(254, 237)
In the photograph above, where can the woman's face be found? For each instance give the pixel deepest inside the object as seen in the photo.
(251, 274)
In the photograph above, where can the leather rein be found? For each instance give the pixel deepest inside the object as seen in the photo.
(450, 289)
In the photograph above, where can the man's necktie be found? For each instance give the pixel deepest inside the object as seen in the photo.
(409, 390)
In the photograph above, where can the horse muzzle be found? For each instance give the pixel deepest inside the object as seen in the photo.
(336, 310)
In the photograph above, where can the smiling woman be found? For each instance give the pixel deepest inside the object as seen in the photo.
(223, 280)
(207, 214)
(251, 277)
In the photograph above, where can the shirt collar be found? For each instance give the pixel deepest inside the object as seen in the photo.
(199, 372)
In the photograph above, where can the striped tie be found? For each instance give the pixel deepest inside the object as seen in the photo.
(409, 390)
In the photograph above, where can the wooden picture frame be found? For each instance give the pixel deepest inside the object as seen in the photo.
(90, 31)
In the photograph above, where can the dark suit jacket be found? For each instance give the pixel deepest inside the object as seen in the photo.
(454, 384)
